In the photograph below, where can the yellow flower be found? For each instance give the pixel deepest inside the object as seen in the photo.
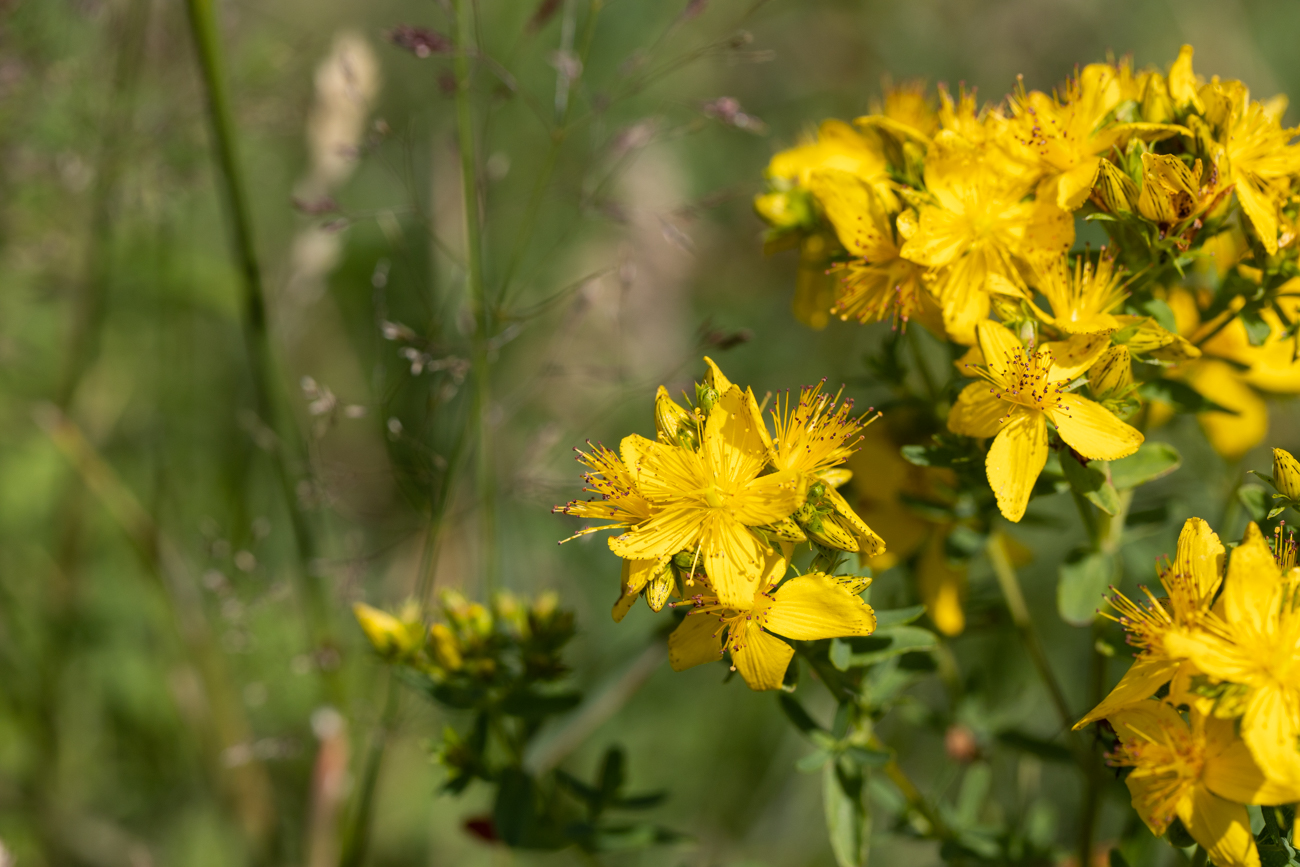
(1082, 302)
(1201, 774)
(908, 104)
(1023, 390)
(836, 146)
(1190, 584)
(706, 501)
(805, 608)
(1286, 474)
(1256, 643)
(976, 228)
(389, 635)
(877, 283)
(1255, 155)
(620, 503)
(1064, 138)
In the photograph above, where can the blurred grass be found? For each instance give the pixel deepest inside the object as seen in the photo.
(118, 280)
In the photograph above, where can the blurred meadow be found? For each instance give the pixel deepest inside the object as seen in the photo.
(193, 500)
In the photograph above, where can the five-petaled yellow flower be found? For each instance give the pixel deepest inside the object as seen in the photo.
(1200, 773)
(706, 501)
(1255, 642)
(1024, 389)
(805, 608)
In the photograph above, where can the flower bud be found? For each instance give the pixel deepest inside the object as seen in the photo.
(1157, 107)
(1169, 192)
(1286, 474)
(785, 530)
(387, 635)
(675, 425)
(831, 531)
(1114, 190)
(446, 649)
(658, 588)
(786, 210)
(1112, 374)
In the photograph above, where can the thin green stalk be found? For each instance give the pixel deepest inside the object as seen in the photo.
(1093, 770)
(478, 297)
(257, 338)
(1200, 857)
(915, 800)
(1015, 599)
(558, 136)
(356, 841)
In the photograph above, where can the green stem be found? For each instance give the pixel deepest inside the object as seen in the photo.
(1015, 599)
(357, 839)
(1093, 770)
(915, 800)
(477, 292)
(558, 136)
(257, 339)
(1200, 857)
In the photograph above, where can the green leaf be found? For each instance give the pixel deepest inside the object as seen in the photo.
(898, 616)
(848, 653)
(1150, 462)
(640, 802)
(1090, 481)
(847, 819)
(795, 712)
(1276, 510)
(814, 761)
(1117, 860)
(514, 813)
(867, 758)
(1084, 578)
(1161, 312)
(1255, 500)
(612, 771)
(1257, 330)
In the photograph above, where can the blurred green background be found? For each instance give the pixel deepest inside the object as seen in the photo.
(610, 274)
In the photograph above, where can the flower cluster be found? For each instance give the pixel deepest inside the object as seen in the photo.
(938, 210)
(711, 512)
(1225, 651)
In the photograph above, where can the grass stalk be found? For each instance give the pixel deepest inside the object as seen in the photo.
(1015, 599)
(478, 294)
(257, 337)
(356, 840)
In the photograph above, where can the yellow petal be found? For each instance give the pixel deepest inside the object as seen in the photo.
(662, 536)
(762, 659)
(1222, 828)
(1092, 430)
(813, 606)
(1072, 358)
(733, 559)
(868, 540)
(716, 378)
(977, 412)
(855, 211)
(1200, 554)
(1231, 772)
(1139, 683)
(942, 587)
(695, 641)
(1000, 347)
(1182, 82)
(814, 288)
(1269, 728)
(736, 442)
(1252, 582)
(768, 499)
(1074, 186)
(1014, 461)
(1230, 435)
(1260, 206)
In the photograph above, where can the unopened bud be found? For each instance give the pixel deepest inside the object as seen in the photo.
(1114, 190)
(1168, 189)
(658, 589)
(387, 635)
(1112, 375)
(676, 426)
(545, 604)
(1157, 107)
(786, 210)
(1286, 474)
(831, 532)
(446, 650)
